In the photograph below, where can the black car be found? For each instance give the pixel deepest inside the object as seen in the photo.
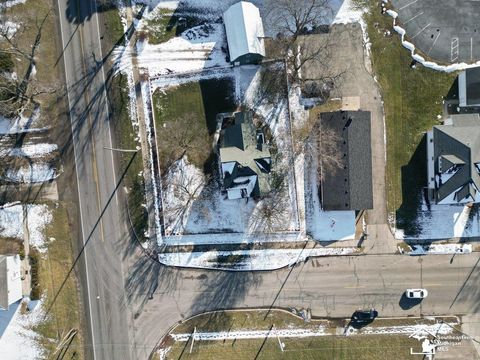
(364, 315)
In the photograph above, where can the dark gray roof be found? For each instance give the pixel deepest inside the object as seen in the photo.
(456, 151)
(350, 186)
(3, 283)
(473, 85)
(243, 145)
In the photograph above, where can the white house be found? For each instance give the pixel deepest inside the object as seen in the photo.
(245, 35)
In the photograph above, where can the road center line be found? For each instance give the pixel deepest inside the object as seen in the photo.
(94, 161)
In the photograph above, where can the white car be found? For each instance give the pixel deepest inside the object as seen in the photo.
(416, 293)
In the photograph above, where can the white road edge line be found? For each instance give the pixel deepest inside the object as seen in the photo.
(78, 185)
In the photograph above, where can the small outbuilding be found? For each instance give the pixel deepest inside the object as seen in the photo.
(245, 36)
(469, 87)
(10, 281)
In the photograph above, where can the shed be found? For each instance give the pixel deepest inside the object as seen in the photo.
(10, 280)
(244, 29)
(350, 186)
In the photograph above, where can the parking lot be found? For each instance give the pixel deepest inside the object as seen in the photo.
(447, 31)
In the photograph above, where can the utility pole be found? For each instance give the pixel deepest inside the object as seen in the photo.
(282, 345)
(193, 338)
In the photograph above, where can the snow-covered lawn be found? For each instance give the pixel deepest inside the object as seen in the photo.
(29, 150)
(233, 238)
(324, 225)
(249, 260)
(440, 249)
(12, 223)
(444, 222)
(19, 341)
(195, 49)
(20, 124)
(31, 173)
(252, 334)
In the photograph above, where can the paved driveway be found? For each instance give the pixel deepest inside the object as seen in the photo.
(447, 31)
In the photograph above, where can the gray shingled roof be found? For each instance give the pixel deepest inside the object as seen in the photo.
(3, 283)
(456, 151)
(240, 144)
(349, 187)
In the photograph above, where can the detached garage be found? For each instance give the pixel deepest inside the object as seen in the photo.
(244, 29)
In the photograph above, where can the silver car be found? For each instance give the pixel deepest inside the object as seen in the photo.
(416, 293)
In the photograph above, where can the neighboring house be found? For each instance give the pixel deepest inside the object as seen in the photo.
(348, 187)
(469, 87)
(245, 158)
(244, 29)
(453, 156)
(10, 280)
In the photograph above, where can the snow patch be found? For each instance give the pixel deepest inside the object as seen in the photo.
(30, 150)
(248, 260)
(440, 249)
(9, 28)
(251, 334)
(10, 3)
(31, 173)
(20, 124)
(195, 49)
(443, 222)
(13, 221)
(19, 341)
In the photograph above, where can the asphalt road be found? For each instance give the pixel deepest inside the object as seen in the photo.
(332, 286)
(101, 262)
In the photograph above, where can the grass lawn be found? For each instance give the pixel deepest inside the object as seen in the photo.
(315, 348)
(65, 311)
(413, 99)
(161, 28)
(236, 320)
(198, 102)
(30, 15)
(325, 347)
(125, 135)
(113, 26)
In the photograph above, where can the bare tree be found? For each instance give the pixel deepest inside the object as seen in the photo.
(20, 93)
(183, 188)
(272, 212)
(184, 135)
(292, 18)
(323, 143)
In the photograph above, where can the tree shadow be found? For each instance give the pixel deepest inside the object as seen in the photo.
(469, 290)
(414, 180)
(224, 290)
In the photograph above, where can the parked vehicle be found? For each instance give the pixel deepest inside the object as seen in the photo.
(416, 293)
(364, 315)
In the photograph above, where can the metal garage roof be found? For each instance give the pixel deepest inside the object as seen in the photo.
(244, 28)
